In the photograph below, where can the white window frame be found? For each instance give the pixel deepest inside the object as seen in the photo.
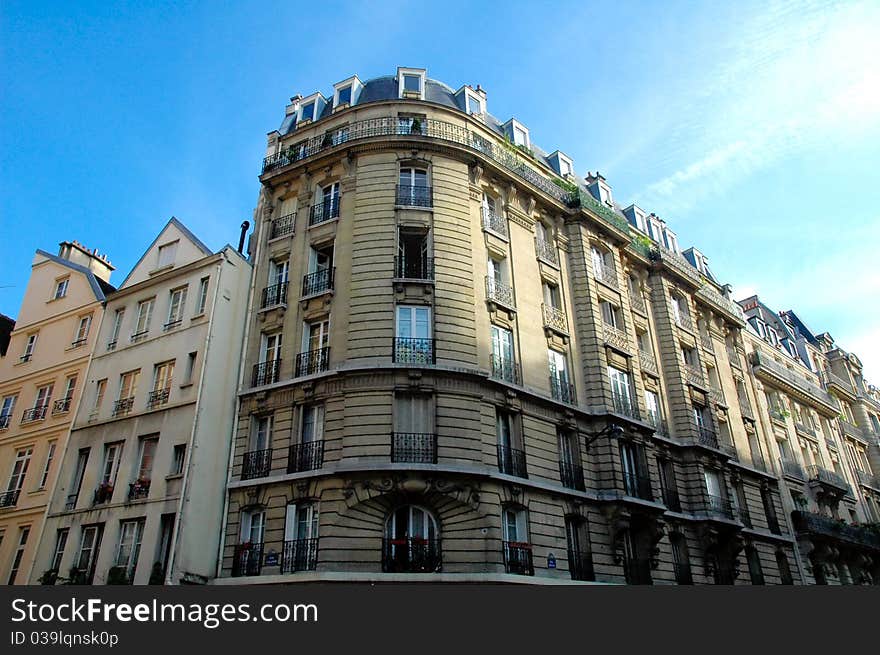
(176, 304)
(30, 345)
(293, 521)
(413, 315)
(202, 300)
(323, 332)
(61, 286)
(50, 456)
(402, 73)
(128, 384)
(167, 254)
(261, 432)
(111, 462)
(253, 520)
(20, 466)
(144, 316)
(117, 327)
(472, 96)
(82, 329)
(516, 519)
(270, 347)
(61, 537)
(620, 383)
(142, 472)
(131, 533)
(313, 416)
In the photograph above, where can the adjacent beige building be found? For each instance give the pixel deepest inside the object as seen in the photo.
(140, 493)
(42, 374)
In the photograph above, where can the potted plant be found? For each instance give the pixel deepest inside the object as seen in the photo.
(416, 127)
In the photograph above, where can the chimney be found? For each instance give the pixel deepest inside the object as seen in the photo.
(293, 106)
(244, 228)
(481, 91)
(77, 253)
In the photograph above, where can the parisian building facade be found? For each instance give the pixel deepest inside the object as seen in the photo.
(448, 358)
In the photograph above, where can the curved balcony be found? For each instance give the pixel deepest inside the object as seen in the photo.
(411, 555)
(414, 447)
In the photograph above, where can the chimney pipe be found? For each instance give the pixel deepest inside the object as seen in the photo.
(244, 228)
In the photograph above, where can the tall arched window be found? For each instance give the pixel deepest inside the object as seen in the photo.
(412, 541)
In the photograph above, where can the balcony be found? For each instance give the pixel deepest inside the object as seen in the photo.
(607, 275)
(571, 475)
(546, 252)
(9, 498)
(765, 367)
(659, 424)
(562, 390)
(158, 398)
(693, 373)
(103, 494)
(830, 480)
(745, 408)
(61, 406)
(5, 420)
(512, 461)
(637, 302)
(37, 413)
(138, 490)
(299, 555)
(733, 356)
(411, 555)
(624, 404)
(706, 342)
(414, 195)
(615, 337)
(274, 295)
(409, 350)
(792, 469)
(580, 566)
(172, 325)
(838, 382)
(518, 558)
(495, 223)
(825, 526)
(139, 336)
(247, 560)
(648, 363)
(282, 226)
(729, 308)
(267, 372)
(671, 499)
(868, 480)
(684, 321)
(637, 571)
(414, 447)
(312, 361)
(319, 282)
(256, 464)
(706, 435)
(637, 486)
(720, 507)
(804, 428)
(324, 211)
(308, 456)
(420, 269)
(851, 430)
(123, 406)
(504, 368)
(500, 294)
(554, 318)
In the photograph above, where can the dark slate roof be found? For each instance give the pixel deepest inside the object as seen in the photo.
(800, 327)
(99, 287)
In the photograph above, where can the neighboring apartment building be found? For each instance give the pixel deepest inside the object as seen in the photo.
(821, 420)
(464, 363)
(140, 493)
(41, 378)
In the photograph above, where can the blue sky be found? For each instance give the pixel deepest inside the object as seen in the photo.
(753, 128)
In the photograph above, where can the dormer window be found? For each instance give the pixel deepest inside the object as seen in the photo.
(773, 336)
(346, 92)
(564, 167)
(671, 241)
(520, 137)
(307, 112)
(473, 103)
(411, 83)
(344, 96)
(167, 253)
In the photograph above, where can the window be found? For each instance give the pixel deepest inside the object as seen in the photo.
(69, 388)
(558, 367)
(580, 557)
(603, 264)
(312, 428)
(253, 525)
(29, 347)
(300, 538)
(60, 545)
(278, 272)
(329, 201)
(570, 471)
(178, 459)
(50, 455)
(668, 484)
(511, 457)
(261, 433)
(82, 330)
(128, 384)
(498, 288)
(202, 298)
(412, 254)
(634, 466)
(19, 469)
(714, 487)
(520, 137)
(23, 534)
(411, 543)
(190, 368)
(611, 315)
(90, 542)
(517, 550)
(145, 313)
(100, 389)
(175, 307)
(344, 96)
(162, 377)
(413, 189)
(473, 103)
(551, 295)
(316, 335)
(41, 404)
(148, 452)
(784, 569)
(689, 356)
(320, 277)
(652, 404)
(412, 83)
(7, 408)
(112, 457)
(130, 535)
(167, 253)
(307, 112)
(620, 390)
(503, 360)
(82, 461)
(61, 288)
(754, 561)
(681, 562)
(770, 511)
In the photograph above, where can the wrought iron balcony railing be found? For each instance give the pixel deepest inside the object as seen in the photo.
(580, 566)
(312, 361)
(494, 223)
(247, 559)
(637, 486)
(123, 406)
(37, 413)
(571, 475)
(256, 464)
(414, 195)
(706, 435)
(70, 502)
(562, 390)
(518, 558)
(791, 468)
(684, 321)
(868, 479)
(282, 226)
(414, 447)
(647, 362)
(319, 282)
(299, 555)
(624, 404)
(720, 506)
(512, 461)
(546, 251)
(616, 337)
(274, 295)
(9, 498)
(138, 490)
(409, 350)
(62, 405)
(268, 372)
(158, 397)
(606, 275)
(411, 555)
(706, 342)
(818, 474)
(324, 211)
(765, 364)
(103, 494)
(659, 424)
(825, 526)
(554, 318)
(76, 343)
(504, 368)
(500, 294)
(308, 456)
(414, 268)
